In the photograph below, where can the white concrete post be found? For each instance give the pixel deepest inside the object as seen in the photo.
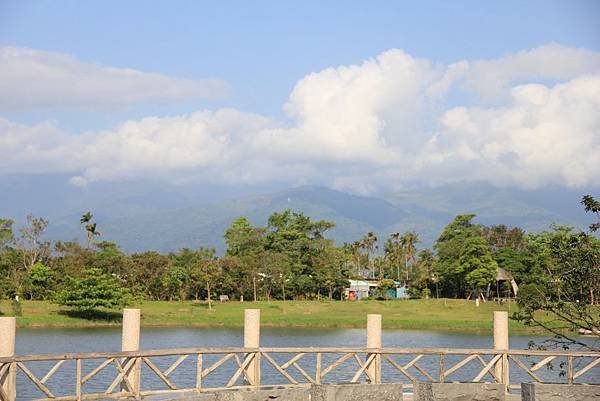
(131, 342)
(8, 327)
(252, 340)
(501, 344)
(374, 341)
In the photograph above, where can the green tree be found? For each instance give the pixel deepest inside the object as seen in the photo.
(449, 247)
(567, 286)
(384, 286)
(6, 232)
(90, 228)
(394, 254)
(247, 243)
(476, 264)
(39, 282)
(176, 283)
(409, 241)
(94, 292)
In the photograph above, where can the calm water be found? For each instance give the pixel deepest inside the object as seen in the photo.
(38, 341)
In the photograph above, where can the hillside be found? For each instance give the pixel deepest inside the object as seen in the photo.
(425, 211)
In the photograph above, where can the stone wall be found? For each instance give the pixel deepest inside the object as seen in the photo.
(337, 392)
(556, 392)
(458, 392)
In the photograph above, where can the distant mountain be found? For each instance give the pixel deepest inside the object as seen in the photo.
(426, 211)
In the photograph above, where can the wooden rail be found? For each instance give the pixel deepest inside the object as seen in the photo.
(164, 371)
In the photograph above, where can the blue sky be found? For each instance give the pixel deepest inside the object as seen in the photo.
(302, 92)
(262, 48)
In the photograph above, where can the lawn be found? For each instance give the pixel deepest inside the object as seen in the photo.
(432, 314)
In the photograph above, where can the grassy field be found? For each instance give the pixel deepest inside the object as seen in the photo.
(432, 314)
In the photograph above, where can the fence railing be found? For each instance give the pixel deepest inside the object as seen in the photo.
(139, 374)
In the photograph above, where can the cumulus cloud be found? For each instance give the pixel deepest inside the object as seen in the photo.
(33, 78)
(376, 125)
(553, 62)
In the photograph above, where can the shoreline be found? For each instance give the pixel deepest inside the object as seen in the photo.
(438, 315)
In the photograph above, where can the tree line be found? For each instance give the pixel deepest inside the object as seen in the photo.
(291, 258)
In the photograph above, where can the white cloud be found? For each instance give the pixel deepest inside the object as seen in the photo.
(34, 78)
(372, 126)
(493, 78)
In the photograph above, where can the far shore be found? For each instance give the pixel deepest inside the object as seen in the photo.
(450, 315)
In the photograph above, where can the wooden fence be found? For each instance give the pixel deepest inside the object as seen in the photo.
(139, 374)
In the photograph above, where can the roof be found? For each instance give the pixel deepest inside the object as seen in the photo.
(503, 275)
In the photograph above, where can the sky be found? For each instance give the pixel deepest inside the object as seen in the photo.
(364, 97)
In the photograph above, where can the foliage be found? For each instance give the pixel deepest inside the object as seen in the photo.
(384, 286)
(567, 287)
(290, 258)
(94, 292)
(39, 282)
(6, 232)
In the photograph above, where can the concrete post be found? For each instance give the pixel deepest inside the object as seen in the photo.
(131, 342)
(8, 382)
(252, 340)
(501, 343)
(374, 341)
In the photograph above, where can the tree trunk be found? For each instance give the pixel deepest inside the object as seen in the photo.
(208, 295)
(254, 286)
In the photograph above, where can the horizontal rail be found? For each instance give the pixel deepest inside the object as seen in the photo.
(323, 350)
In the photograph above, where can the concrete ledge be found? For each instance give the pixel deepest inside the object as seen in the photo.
(458, 392)
(555, 392)
(325, 392)
(274, 394)
(356, 392)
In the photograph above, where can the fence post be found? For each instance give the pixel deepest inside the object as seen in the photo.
(8, 381)
(501, 344)
(374, 341)
(131, 342)
(252, 340)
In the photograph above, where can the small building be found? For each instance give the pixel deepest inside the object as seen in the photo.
(361, 289)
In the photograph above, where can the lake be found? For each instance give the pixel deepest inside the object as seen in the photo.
(39, 341)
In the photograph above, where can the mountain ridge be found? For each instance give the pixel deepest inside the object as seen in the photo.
(426, 211)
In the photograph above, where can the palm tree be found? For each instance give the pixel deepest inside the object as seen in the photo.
(90, 228)
(394, 252)
(408, 241)
(369, 243)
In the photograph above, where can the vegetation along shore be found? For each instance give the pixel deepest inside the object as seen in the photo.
(431, 314)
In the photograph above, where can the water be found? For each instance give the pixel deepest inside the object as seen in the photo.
(41, 341)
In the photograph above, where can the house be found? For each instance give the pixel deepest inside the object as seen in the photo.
(361, 289)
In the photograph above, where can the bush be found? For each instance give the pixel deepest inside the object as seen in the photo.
(94, 292)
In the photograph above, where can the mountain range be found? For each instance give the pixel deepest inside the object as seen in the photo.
(165, 221)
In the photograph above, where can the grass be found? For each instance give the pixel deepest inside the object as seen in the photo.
(433, 314)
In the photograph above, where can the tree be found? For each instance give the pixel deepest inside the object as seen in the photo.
(90, 227)
(384, 286)
(591, 205)
(421, 273)
(93, 293)
(449, 247)
(6, 232)
(32, 248)
(39, 282)
(565, 298)
(30, 242)
(204, 271)
(394, 253)
(477, 264)
(369, 244)
(248, 244)
(408, 242)
(175, 282)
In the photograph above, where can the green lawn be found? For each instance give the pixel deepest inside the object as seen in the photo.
(432, 314)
